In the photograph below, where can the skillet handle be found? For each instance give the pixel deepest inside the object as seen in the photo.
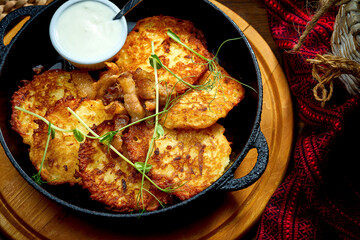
(10, 18)
(235, 184)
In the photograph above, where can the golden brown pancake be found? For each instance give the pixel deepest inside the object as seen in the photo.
(137, 50)
(199, 109)
(40, 94)
(61, 160)
(191, 155)
(195, 158)
(113, 181)
(136, 141)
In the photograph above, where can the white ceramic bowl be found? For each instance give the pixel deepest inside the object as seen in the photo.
(80, 60)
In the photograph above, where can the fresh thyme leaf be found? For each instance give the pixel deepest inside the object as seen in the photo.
(78, 135)
(141, 166)
(155, 62)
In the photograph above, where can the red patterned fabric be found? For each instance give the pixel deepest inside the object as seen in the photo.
(320, 196)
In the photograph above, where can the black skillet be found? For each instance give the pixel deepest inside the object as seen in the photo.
(32, 47)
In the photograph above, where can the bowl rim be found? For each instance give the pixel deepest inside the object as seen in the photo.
(76, 59)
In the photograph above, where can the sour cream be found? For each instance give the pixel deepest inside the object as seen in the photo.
(83, 31)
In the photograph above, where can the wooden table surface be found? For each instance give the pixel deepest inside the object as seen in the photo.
(253, 12)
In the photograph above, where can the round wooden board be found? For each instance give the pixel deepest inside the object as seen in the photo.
(26, 214)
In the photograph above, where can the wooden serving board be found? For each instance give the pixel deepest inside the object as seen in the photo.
(26, 214)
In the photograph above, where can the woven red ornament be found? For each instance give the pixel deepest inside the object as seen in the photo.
(320, 196)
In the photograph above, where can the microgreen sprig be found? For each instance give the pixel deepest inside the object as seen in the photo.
(216, 74)
(106, 139)
(177, 39)
(50, 135)
(158, 130)
(140, 169)
(79, 136)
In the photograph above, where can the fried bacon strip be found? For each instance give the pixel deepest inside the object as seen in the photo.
(107, 79)
(131, 100)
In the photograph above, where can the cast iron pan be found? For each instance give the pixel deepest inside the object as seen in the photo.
(32, 47)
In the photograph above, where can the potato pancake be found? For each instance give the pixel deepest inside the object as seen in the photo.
(61, 162)
(38, 95)
(137, 49)
(192, 151)
(113, 181)
(195, 158)
(199, 109)
(136, 141)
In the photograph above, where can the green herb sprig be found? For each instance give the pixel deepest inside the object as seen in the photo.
(106, 139)
(217, 75)
(79, 136)
(50, 135)
(140, 169)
